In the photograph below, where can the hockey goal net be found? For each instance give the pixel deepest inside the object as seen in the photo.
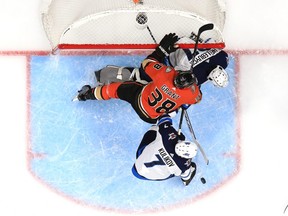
(129, 24)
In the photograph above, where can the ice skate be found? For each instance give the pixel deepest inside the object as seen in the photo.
(81, 96)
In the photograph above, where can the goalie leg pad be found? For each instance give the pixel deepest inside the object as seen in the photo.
(110, 74)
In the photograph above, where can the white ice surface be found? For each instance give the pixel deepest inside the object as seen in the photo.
(261, 187)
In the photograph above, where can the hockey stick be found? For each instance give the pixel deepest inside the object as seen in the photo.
(142, 23)
(152, 36)
(181, 121)
(194, 137)
(203, 28)
(142, 20)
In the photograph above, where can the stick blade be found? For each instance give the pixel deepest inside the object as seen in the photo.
(205, 27)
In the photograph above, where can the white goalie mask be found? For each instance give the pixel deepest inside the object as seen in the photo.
(186, 149)
(219, 77)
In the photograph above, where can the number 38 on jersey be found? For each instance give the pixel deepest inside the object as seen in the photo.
(161, 106)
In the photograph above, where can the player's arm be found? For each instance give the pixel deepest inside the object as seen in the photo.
(165, 125)
(189, 174)
(166, 46)
(164, 119)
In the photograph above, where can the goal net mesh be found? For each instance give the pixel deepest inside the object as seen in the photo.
(98, 24)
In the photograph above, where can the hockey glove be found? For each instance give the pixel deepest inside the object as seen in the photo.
(192, 171)
(181, 136)
(167, 45)
(185, 106)
(164, 118)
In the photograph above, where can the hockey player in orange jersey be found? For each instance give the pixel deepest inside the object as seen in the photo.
(167, 91)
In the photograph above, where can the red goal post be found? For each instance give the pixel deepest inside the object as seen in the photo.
(124, 24)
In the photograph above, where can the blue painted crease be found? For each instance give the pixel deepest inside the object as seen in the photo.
(90, 146)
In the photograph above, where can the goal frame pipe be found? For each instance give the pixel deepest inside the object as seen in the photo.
(134, 46)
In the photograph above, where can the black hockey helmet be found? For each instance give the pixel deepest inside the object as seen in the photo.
(184, 79)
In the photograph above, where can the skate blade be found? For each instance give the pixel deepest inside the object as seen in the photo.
(75, 98)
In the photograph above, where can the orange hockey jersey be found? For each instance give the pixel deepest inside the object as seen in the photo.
(161, 96)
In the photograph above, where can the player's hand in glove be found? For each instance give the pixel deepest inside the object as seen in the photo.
(167, 45)
(192, 171)
(185, 106)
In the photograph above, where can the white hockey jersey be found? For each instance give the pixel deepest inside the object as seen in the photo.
(205, 60)
(156, 157)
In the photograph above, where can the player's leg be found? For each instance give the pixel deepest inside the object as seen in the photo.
(148, 138)
(104, 92)
(111, 73)
(131, 92)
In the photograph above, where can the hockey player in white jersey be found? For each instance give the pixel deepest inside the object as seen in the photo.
(163, 154)
(209, 64)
